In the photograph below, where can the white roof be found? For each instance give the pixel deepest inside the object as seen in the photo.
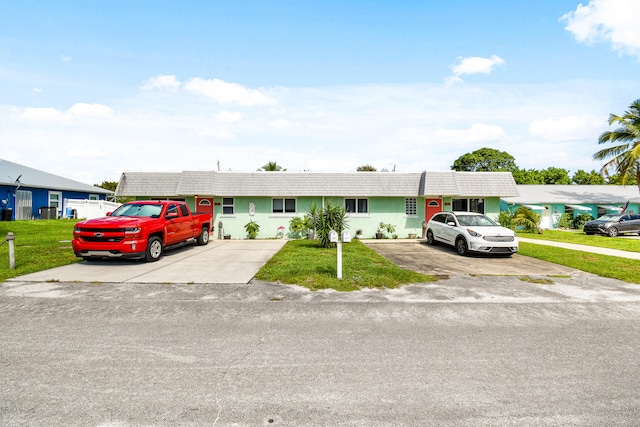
(14, 174)
(297, 184)
(575, 194)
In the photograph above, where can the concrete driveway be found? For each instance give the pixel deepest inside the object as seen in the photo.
(221, 261)
(444, 261)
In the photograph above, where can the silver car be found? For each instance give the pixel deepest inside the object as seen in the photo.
(613, 225)
(471, 232)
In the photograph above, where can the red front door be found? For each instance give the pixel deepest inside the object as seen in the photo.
(205, 205)
(431, 207)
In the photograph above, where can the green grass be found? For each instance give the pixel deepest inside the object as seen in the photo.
(39, 245)
(602, 265)
(623, 243)
(304, 263)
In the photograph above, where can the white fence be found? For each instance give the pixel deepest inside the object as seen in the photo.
(88, 208)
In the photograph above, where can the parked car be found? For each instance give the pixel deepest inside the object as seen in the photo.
(471, 232)
(140, 230)
(613, 225)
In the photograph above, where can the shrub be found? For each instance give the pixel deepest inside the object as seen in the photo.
(526, 219)
(323, 220)
(252, 229)
(506, 219)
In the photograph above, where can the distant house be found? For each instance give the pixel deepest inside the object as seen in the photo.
(271, 199)
(27, 193)
(551, 201)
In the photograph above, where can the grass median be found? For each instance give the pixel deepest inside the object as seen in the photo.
(304, 263)
(602, 265)
(39, 245)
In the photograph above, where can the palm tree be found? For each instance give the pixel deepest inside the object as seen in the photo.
(625, 156)
(271, 167)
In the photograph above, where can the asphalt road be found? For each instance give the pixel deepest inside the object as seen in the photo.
(471, 351)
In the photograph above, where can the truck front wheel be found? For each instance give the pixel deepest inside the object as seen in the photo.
(154, 249)
(203, 238)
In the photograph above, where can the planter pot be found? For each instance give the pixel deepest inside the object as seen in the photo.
(412, 235)
(378, 235)
(359, 236)
(309, 236)
(227, 237)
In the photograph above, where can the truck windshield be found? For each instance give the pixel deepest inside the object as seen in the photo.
(149, 210)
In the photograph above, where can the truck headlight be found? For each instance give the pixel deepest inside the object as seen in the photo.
(133, 230)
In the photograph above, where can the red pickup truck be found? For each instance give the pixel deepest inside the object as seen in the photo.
(140, 230)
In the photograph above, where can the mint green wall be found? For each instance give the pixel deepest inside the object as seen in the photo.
(381, 209)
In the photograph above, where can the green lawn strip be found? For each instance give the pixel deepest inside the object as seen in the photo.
(578, 237)
(602, 265)
(39, 245)
(304, 263)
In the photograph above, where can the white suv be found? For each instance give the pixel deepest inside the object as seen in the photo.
(471, 232)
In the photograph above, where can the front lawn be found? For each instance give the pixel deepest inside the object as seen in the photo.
(602, 265)
(624, 243)
(304, 263)
(39, 245)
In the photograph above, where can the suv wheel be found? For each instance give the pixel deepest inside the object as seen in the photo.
(430, 239)
(461, 246)
(613, 232)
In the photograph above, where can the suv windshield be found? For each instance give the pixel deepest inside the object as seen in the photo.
(609, 217)
(477, 220)
(138, 210)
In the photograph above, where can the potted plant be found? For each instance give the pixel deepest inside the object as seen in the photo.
(359, 234)
(252, 229)
(382, 228)
(308, 227)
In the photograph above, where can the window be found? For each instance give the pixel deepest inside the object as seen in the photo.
(55, 198)
(284, 206)
(227, 206)
(411, 206)
(468, 205)
(94, 197)
(360, 206)
(184, 210)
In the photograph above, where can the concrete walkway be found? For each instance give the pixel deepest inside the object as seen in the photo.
(221, 261)
(584, 248)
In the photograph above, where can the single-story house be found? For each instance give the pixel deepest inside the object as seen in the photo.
(27, 193)
(551, 201)
(272, 199)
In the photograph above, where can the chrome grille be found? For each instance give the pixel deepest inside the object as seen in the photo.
(498, 238)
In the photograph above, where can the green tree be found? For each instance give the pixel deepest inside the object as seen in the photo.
(271, 167)
(366, 168)
(616, 179)
(485, 160)
(107, 185)
(581, 177)
(556, 176)
(528, 176)
(625, 154)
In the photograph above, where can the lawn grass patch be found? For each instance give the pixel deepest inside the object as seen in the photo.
(304, 263)
(578, 237)
(602, 265)
(39, 245)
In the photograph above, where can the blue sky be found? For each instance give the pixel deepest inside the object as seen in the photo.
(91, 89)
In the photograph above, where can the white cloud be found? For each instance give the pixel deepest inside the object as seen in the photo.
(613, 21)
(64, 58)
(280, 124)
(37, 90)
(167, 81)
(228, 93)
(93, 110)
(477, 133)
(87, 153)
(570, 128)
(473, 65)
(43, 114)
(228, 117)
